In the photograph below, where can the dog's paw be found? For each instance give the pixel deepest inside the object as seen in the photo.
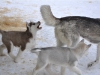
(92, 64)
(16, 61)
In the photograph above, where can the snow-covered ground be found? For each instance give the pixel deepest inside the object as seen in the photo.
(30, 10)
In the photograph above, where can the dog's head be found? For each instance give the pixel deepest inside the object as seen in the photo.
(33, 26)
(83, 48)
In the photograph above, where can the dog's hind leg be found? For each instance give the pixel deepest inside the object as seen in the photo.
(97, 57)
(18, 56)
(68, 42)
(2, 47)
(59, 43)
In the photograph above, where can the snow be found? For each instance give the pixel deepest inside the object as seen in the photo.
(30, 10)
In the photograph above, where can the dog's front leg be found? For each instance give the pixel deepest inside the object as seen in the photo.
(41, 64)
(76, 70)
(97, 57)
(10, 48)
(18, 55)
(59, 43)
(2, 47)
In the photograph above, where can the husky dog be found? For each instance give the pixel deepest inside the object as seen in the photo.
(23, 40)
(63, 56)
(69, 29)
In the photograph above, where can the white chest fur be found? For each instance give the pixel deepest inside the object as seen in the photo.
(30, 44)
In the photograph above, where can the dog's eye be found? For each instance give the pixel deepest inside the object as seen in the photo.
(33, 24)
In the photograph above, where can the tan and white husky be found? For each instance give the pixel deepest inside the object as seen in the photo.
(22, 40)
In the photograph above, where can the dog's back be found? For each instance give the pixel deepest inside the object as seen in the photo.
(88, 28)
(56, 55)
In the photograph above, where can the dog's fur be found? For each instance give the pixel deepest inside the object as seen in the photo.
(68, 29)
(63, 56)
(23, 40)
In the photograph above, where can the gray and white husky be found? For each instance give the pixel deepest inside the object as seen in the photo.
(69, 29)
(63, 56)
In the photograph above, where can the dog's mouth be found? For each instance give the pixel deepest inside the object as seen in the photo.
(39, 25)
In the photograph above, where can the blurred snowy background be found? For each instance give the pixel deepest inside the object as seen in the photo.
(24, 10)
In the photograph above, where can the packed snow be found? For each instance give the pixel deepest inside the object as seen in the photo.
(30, 10)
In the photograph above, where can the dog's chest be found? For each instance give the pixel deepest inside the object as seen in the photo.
(30, 44)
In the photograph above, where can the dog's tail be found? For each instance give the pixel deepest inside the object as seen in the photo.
(35, 50)
(48, 16)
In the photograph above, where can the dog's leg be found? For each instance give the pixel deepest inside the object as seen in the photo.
(2, 47)
(59, 43)
(18, 55)
(10, 48)
(97, 57)
(41, 64)
(63, 69)
(68, 42)
(75, 69)
(48, 69)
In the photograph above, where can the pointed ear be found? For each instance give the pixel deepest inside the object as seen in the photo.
(89, 45)
(82, 40)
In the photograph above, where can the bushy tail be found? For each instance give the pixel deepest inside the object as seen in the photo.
(48, 16)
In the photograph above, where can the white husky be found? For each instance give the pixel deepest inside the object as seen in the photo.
(63, 56)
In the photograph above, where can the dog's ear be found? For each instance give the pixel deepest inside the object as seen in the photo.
(82, 40)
